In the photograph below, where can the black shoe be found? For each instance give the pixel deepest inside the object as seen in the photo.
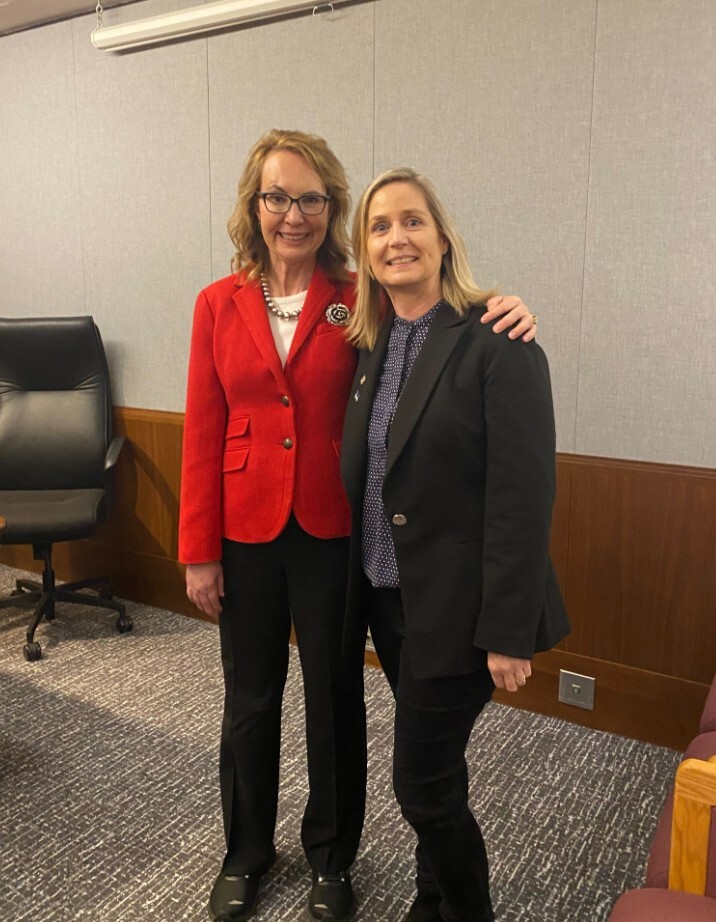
(425, 908)
(233, 896)
(331, 897)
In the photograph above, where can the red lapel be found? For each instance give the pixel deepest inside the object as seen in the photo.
(249, 300)
(319, 296)
(250, 303)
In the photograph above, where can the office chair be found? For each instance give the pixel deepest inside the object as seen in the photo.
(57, 455)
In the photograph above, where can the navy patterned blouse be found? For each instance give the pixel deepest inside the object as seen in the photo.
(406, 341)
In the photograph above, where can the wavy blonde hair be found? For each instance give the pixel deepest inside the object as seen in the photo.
(459, 288)
(251, 252)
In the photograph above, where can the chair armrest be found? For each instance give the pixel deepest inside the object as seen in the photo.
(694, 800)
(113, 452)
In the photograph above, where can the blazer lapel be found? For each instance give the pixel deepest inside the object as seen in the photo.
(250, 303)
(445, 331)
(354, 451)
(320, 293)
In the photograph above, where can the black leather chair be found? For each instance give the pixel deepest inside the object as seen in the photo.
(57, 455)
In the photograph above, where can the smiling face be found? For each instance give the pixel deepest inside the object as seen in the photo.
(293, 237)
(404, 246)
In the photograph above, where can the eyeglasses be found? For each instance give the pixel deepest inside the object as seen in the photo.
(280, 203)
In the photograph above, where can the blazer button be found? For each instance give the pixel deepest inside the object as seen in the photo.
(399, 519)
(288, 443)
(285, 401)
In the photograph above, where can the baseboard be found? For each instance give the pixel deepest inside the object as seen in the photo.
(648, 706)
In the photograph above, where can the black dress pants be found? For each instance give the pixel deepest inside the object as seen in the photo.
(433, 721)
(301, 579)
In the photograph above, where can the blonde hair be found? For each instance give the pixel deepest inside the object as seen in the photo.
(459, 288)
(243, 226)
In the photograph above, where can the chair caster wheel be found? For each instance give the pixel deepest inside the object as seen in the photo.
(124, 624)
(32, 651)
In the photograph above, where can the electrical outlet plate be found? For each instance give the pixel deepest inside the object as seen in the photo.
(576, 689)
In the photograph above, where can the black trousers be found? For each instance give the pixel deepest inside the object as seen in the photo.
(433, 721)
(301, 579)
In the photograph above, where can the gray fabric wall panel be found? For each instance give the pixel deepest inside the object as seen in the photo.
(573, 142)
(493, 100)
(313, 73)
(40, 240)
(144, 166)
(647, 381)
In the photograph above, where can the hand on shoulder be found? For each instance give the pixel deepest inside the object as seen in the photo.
(512, 314)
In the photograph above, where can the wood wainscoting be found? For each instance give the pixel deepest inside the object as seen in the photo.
(634, 546)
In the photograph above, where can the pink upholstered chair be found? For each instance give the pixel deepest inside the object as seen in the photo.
(681, 873)
(708, 717)
(702, 747)
(658, 905)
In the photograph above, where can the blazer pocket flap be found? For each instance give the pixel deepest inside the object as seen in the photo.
(235, 459)
(237, 426)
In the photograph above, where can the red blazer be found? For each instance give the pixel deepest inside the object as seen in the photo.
(262, 441)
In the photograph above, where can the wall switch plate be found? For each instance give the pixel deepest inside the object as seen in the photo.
(576, 689)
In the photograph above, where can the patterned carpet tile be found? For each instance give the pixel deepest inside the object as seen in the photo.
(109, 806)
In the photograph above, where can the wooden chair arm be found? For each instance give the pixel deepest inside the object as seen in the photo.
(3, 523)
(694, 798)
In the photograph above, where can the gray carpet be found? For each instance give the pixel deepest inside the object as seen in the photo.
(109, 793)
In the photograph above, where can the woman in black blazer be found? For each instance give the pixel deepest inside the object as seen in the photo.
(448, 462)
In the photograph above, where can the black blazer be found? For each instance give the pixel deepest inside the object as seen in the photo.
(469, 488)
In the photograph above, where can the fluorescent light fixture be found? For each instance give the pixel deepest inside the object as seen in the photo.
(193, 21)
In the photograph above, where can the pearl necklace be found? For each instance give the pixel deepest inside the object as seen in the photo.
(273, 307)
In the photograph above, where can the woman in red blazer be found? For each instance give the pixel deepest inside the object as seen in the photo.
(264, 519)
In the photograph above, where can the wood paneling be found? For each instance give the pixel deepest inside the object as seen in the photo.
(146, 515)
(641, 570)
(634, 546)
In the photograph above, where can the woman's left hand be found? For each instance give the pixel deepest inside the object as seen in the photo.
(508, 672)
(511, 310)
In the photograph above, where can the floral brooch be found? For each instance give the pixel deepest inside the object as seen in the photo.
(338, 315)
